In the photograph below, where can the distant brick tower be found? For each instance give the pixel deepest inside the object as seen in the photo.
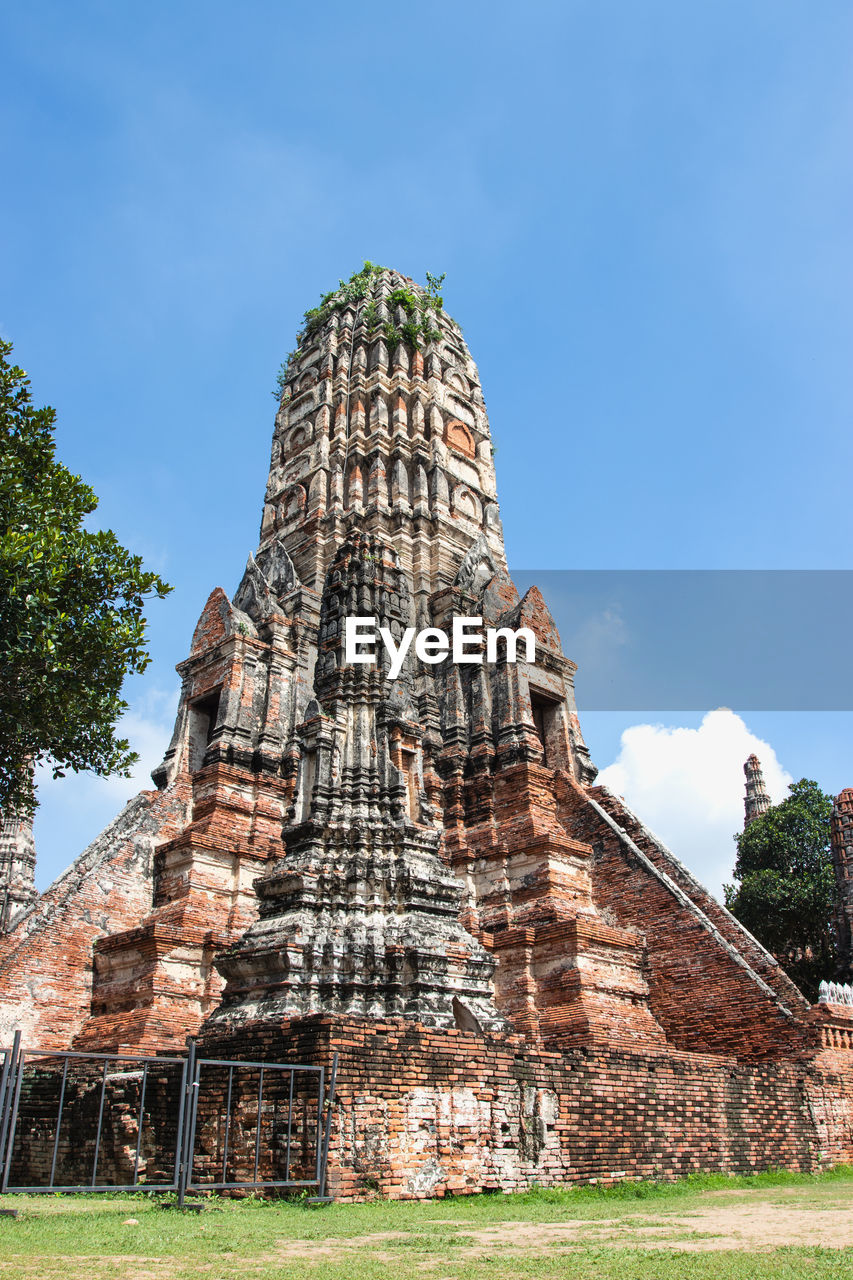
(757, 801)
(842, 858)
(17, 868)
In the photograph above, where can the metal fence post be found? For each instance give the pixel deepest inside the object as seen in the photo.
(327, 1128)
(188, 1123)
(7, 1093)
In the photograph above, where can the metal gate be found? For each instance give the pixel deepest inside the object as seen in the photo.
(72, 1121)
(285, 1145)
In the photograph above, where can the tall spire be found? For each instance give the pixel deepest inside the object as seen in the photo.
(382, 418)
(842, 860)
(757, 801)
(343, 794)
(382, 495)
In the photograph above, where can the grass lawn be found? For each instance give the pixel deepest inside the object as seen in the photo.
(774, 1224)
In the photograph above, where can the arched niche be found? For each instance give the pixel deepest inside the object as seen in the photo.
(458, 437)
(294, 503)
(296, 441)
(466, 503)
(453, 378)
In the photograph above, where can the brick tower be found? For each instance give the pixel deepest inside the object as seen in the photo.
(842, 858)
(17, 868)
(329, 802)
(382, 495)
(324, 840)
(756, 800)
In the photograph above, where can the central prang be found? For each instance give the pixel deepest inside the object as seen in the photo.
(364, 836)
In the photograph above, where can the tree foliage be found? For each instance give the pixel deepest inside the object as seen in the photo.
(786, 890)
(71, 609)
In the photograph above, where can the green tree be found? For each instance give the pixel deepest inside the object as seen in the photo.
(71, 609)
(785, 893)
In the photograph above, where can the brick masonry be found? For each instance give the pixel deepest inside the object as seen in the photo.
(46, 961)
(121, 1150)
(422, 1113)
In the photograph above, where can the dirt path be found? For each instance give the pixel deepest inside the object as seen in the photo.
(741, 1226)
(727, 1221)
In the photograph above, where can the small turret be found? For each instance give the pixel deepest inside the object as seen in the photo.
(757, 801)
(842, 860)
(17, 867)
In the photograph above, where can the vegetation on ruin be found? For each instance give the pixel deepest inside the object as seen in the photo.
(648, 1229)
(71, 609)
(785, 892)
(418, 329)
(348, 292)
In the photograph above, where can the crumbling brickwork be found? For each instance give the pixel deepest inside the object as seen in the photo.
(46, 960)
(711, 985)
(114, 1149)
(421, 1112)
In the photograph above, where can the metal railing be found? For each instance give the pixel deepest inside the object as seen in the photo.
(73, 1121)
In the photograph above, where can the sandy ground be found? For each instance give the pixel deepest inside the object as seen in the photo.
(726, 1220)
(752, 1227)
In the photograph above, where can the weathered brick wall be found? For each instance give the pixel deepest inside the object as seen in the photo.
(422, 1112)
(46, 960)
(728, 926)
(712, 987)
(226, 1134)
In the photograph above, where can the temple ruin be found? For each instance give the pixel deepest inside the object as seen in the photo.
(523, 983)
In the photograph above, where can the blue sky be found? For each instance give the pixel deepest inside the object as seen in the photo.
(644, 213)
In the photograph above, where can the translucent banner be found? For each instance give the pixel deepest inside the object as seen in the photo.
(687, 640)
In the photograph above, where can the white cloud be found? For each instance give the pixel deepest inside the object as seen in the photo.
(74, 809)
(687, 785)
